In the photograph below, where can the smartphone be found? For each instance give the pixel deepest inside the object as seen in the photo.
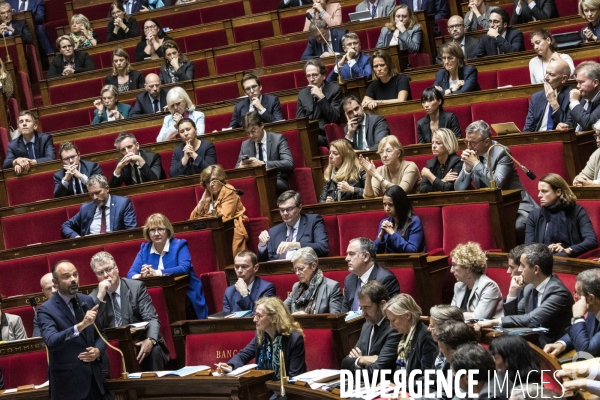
(245, 157)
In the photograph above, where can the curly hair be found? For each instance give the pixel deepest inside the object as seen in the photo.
(470, 255)
(282, 319)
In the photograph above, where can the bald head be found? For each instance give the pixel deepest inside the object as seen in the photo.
(456, 28)
(562, 66)
(47, 285)
(557, 72)
(152, 85)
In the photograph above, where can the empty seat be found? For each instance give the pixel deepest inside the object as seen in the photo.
(176, 204)
(408, 283)
(27, 315)
(434, 234)
(202, 250)
(21, 276)
(283, 283)
(158, 301)
(403, 127)
(355, 225)
(32, 228)
(332, 229)
(221, 12)
(466, 223)
(124, 253)
(30, 188)
(81, 259)
(320, 349)
(24, 369)
(228, 152)
(213, 286)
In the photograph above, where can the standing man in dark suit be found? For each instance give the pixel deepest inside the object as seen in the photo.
(377, 8)
(105, 213)
(376, 346)
(265, 148)
(153, 100)
(533, 10)
(456, 30)
(296, 231)
(364, 131)
(550, 107)
(74, 346)
(69, 61)
(135, 166)
(30, 148)
(499, 39)
(38, 12)
(9, 28)
(248, 288)
(438, 8)
(584, 100)
(125, 301)
(316, 47)
(267, 105)
(546, 301)
(72, 177)
(360, 256)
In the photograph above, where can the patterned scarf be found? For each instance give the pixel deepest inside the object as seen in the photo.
(404, 347)
(85, 43)
(268, 354)
(303, 297)
(171, 72)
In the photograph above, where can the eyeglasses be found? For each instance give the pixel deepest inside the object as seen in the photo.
(258, 316)
(70, 158)
(157, 230)
(471, 143)
(313, 76)
(105, 271)
(299, 269)
(286, 210)
(150, 28)
(251, 88)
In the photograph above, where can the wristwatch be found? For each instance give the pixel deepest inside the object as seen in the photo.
(153, 341)
(576, 318)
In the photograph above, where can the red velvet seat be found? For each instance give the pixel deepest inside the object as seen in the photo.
(466, 223)
(295, 145)
(566, 8)
(220, 92)
(301, 181)
(228, 63)
(24, 369)
(403, 127)
(114, 358)
(200, 67)
(96, 144)
(513, 110)
(147, 135)
(283, 283)
(334, 132)
(259, 6)
(592, 208)
(16, 282)
(165, 159)
(443, 26)
(3, 143)
(372, 35)
(416, 88)
(292, 24)
(408, 282)
(32, 228)
(568, 280)
(501, 277)
(92, 12)
(124, 254)
(255, 31)
(66, 120)
(27, 315)
(487, 80)
(278, 82)
(356, 225)
(202, 250)
(320, 349)
(283, 54)
(81, 259)
(250, 198)
(254, 226)
(419, 60)
(228, 152)
(77, 90)
(108, 166)
(176, 204)
(214, 285)
(30, 188)
(463, 114)
(158, 301)
(221, 12)
(205, 40)
(216, 122)
(337, 276)
(434, 234)
(514, 76)
(72, 211)
(331, 227)
(419, 160)
(211, 348)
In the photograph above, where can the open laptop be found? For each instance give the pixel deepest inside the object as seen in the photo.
(505, 128)
(360, 16)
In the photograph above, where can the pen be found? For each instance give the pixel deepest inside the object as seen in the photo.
(226, 369)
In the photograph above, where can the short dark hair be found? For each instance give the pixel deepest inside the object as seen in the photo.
(31, 114)
(517, 356)
(454, 333)
(248, 253)
(516, 253)
(502, 13)
(288, 194)
(375, 291)
(160, 33)
(64, 146)
(539, 254)
(590, 282)
(366, 246)
(316, 63)
(182, 120)
(56, 265)
(252, 118)
(432, 94)
(472, 356)
(122, 136)
(402, 207)
(248, 77)
(346, 100)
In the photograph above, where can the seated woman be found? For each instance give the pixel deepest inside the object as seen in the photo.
(123, 77)
(545, 46)
(402, 30)
(121, 26)
(590, 176)
(193, 155)
(220, 199)
(441, 171)
(81, 32)
(456, 77)
(69, 61)
(401, 231)
(313, 293)
(440, 315)
(394, 171)
(344, 178)
(432, 101)
(328, 12)
(108, 107)
(475, 294)
(515, 358)
(150, 45)
(416, 349)
(275, 330)
(560, 222)
(478, 16)
(590, 11)
(387, 86)
(180, 106)
(164, 254)
(177, 67)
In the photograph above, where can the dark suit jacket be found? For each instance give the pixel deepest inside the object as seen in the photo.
(315, 49)
(489, 46)
(383, 344)
(184, 73)
(453, 164)
(83, 63)
(379, 274)
(327, 110)
(467, 73)
(151, 171)
(21, 29)
(143, 103)
(36, 7)
(207, 156)
(446, 120)
(469, 50)
(136, 80)
(537, 108)
(233, 300)
(131, 23)
(278, 154)
(423, 350)
(311, 233)
(122, 216)
(555, 311)
(268, 101)
(584, 337)
(544, 9)
(70, 378)
(585, 118)
(123, 108)
(294, 3)
(43, 149)
(376, 127)
(438, 8)
(87, 168)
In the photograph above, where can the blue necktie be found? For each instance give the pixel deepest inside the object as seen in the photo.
(260, 152)
(30, 151)
(534, 299)
(550, 124)
(355, 302)
(373, 11)
(22, 6)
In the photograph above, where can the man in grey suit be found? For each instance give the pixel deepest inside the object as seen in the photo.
(11, 326)
(377, 8)
(456, 29)
(475, 170)
(265, 148)
(125, 301)
(72, 178)
(364, 131)
(135, 166)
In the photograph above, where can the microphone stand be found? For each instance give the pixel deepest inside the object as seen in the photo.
(340, 81)
(6, 48)
(527, 171)
(282, 375)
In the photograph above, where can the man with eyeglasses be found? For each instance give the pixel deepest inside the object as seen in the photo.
(153, 100)
(500, 38)
(135, 166)
(456, 30)
(590, 176)
(69, 61)
(9, 28)
(296, 231)
(243, 295)
(72, 178)
(123, 302)
(30, 147)
(316, 47)
(267, 105)
(354, 64)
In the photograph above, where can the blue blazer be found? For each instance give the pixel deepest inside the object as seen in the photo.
(315, 49)
(268, 101)
(584, 337)
(311, 233)
(379, 274)
(123, 108)
(537, 108)
(489, 46)
(122, 216)
(437, 7)
(233, 301)
(177, 261)
(43, 149)
(413, 240)
(466, 73)
(207, 156)
(36, 7)
(87, 168)
(361, 68)
(70, 378)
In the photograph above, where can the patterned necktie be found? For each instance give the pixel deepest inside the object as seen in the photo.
(373, 11)
(117, 308)
(22, 6)
(103, 220)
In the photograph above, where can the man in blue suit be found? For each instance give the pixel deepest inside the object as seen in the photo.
(585, 100)
(37, 11)
(105, 213)
(499, 39)
(72, 177)
(297, 230)
(30, 148)
(316, 47)
(74, 346)
(438, 8)
(266, 105)
(249, 288)
(355, 63)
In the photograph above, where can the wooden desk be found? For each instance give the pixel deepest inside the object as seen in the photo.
(296, 392)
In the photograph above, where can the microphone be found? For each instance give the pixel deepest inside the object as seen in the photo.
(309, 15)
(312, 22)
(33, 303)
(6, 48)
(530, 174)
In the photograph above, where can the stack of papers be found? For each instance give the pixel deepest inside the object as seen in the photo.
(185, 371)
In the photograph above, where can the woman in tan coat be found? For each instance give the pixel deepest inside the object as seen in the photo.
(221, 200)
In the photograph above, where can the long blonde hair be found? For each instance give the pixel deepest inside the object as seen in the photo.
(282, 319)
(349, 171)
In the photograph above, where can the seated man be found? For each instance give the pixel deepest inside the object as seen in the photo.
(473, 357)
(9, 28)
(355, 63)
(30, 148)
(266, 105)
(378, 342)
(37, 11)
(316, 47)
(377, 8)
(153, 100)
(456, 30)
(73, 176)
(48, 289)
(499, 39)
(135, 165)
(550, 106)
(248, 288)
(11, 326)
(533, 10)
(294, 3)
(125, 301)
(438, 8)
(364, 131)
(546, 301)
(105, 213)
(297, 230)
(585, 99)
(516, 283)
(360, 256)
(590, 176)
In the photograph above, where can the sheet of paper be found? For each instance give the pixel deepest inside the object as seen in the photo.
(242, 370)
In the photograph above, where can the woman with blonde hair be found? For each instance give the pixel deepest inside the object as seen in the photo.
(81, 32)
(344, 178)
(123, 77)
(276, 330)
(180, 106)
(402, 30)
(441, 171)
(6, 83)
(590, 10)
(220, 199)
(177, 67)
(108, 107)
(560, 223)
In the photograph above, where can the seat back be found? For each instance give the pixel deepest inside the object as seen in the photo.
(124, 253)
(29, 188)
(321, 353)
(254, 226)
(434, 233)
(301, 181)
(200, 244)
(250, 198)
(501, 277)
(592, 207)
(355, 225)
(27, 315)
(158, 301)
(24, 369)
(331, 227)
(81, 258)
(408, 283)
(457, 222)
(283, 283)
(210, 348)
(162, 202)
(214, 285)
(27, 229)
